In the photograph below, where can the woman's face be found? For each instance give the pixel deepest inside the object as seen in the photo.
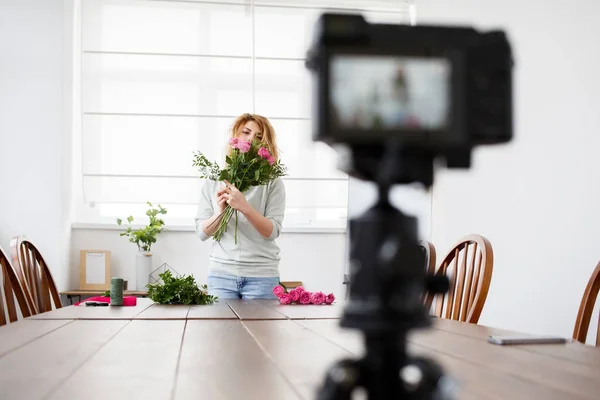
(249, 131)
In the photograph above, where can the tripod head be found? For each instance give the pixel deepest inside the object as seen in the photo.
(392, 100)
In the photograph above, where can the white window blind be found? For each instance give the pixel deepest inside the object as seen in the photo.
(160, 79)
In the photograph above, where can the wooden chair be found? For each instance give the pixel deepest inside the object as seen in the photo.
(10, 290)
(34, 269)
(586, 308)
(469, 266)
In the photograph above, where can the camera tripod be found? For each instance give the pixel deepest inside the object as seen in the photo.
(388, 281)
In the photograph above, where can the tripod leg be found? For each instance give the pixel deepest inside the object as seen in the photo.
(341, 380)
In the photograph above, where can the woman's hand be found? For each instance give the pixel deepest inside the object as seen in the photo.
(236, 199)
(210, 225)
(222, 199)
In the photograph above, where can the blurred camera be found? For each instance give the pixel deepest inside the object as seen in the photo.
(437, 89)
(392, 99)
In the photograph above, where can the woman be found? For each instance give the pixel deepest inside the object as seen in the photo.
(396, 108)
(250, 268)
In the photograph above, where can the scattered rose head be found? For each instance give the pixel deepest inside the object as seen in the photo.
(285, 298)
(330, 298)
(278, 291)
(317, 298)
(295, 294)
(304, 298)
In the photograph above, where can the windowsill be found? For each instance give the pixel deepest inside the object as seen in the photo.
(192, 228)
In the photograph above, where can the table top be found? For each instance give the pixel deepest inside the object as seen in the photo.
(80, 292)
(256, 350)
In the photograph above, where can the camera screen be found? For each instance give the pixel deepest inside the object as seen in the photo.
(389, 92)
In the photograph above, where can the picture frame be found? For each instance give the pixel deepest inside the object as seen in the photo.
(94, 270)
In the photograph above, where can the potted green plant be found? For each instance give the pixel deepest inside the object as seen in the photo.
(144, 237)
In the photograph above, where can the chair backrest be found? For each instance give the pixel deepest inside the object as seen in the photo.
(430, 260)
(37, 275)
(11, 289)
(430, 256)
(21, 276)
(586, 308)
(469, 267)
(291, 284)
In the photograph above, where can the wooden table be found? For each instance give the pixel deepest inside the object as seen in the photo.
(82, 294)
(255, 350)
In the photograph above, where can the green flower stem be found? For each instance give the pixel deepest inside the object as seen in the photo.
(227, 214)
(236, 227)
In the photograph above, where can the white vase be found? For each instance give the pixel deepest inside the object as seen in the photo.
(143, 267)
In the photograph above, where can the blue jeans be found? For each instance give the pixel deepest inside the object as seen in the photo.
(238, 287)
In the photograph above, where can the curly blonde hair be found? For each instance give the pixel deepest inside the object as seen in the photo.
(266, 136)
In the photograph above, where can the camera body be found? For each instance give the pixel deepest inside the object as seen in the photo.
(436, 90)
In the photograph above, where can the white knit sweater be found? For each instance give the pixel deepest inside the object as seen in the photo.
(253, 255)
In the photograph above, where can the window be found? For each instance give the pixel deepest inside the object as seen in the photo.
(160, 79)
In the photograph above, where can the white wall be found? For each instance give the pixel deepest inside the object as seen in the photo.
(316, 259)
(537, 198)
(32, 144)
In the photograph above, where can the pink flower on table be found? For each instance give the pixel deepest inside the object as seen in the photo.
(304, 298)
(330, 298)
(300, 289)
(264, 153)
(285, 298)
(244, 146)
(317, 298)
(278, 291)
(295, 294)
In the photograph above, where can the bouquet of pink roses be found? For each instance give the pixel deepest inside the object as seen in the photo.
(249, 164)
(301, 296)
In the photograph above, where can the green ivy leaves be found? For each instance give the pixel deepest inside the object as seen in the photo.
(179, 290)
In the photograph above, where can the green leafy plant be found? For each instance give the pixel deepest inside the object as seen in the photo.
(146, 236)
(179, 290)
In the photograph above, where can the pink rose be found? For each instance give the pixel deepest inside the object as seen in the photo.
(285, 298)
(330, 298)
(264, 153)
(295, 294)
(233, 142)
(317, 298)
(278, 291)
(271, 160)
(244, 146)
(300, 289)
(304, 298)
